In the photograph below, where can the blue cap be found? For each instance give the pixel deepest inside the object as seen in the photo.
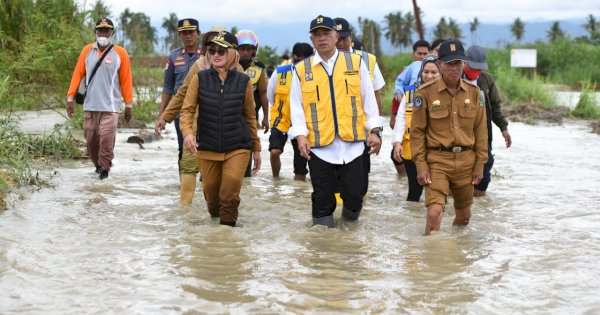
(342, 27)
(476, 58)
(322, 22)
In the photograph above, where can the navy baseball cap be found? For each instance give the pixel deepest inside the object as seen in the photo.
(356, 44)
(342, 27)
(187, 25)
(322, 22)
(451, 50)
(476, 58)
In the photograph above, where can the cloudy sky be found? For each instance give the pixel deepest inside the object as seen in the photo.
(232, 12)
(281, 23)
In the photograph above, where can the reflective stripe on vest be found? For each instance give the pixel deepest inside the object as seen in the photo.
(332, 104)
(366, 57)
(254, 73)
(280, 111)
(409, 96)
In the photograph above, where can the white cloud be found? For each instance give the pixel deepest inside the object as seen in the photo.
(235, 12)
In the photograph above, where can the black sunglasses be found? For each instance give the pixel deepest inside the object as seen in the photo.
(212, 51)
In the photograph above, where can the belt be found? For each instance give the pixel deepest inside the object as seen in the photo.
(451, 149)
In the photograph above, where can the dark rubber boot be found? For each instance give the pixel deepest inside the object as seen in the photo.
(326, 221)
(349, 214)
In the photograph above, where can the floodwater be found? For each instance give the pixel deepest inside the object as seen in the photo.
(125, 246)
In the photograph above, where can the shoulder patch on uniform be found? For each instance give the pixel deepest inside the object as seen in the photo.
(470, 83)
(426, 84)
(481, 101)
(418, 101)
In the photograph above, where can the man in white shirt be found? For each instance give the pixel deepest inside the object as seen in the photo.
(334, 111)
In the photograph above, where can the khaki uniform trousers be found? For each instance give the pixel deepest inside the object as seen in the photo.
(222, 176)
(450, 172)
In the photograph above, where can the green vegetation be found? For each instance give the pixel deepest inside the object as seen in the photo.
(19, 150)
(587, 107)
(563, 62)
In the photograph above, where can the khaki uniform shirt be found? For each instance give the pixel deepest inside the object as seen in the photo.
(174, 107)
(191, 106)
(442, 120)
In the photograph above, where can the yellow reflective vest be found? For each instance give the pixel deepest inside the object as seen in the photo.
(332, 104)
(254, 73)
(370, 60)
(280, 110)
(409, 95)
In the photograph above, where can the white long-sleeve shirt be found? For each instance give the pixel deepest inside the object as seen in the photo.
(339, 151)
(400, 126)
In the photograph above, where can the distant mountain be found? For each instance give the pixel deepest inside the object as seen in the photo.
(285, 35)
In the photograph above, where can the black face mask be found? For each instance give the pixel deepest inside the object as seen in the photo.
(245, 63)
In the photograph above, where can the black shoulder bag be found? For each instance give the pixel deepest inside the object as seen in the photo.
(82, 90)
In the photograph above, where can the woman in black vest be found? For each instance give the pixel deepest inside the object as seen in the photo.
(226, 127)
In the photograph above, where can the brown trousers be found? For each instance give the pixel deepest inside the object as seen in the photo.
(100, 130)
(222, 176)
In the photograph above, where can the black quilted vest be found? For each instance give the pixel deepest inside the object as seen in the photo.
(222, 126)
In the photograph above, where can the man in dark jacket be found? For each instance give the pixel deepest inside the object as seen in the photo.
(476, 63)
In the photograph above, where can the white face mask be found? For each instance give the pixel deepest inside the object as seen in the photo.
(103, 41)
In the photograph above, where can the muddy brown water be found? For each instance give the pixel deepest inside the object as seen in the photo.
(125, 246)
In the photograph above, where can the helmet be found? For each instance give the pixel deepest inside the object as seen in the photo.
(247, 37)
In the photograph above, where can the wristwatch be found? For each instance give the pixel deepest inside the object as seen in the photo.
(376, 131)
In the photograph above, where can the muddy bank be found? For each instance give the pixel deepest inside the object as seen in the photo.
(534, 113)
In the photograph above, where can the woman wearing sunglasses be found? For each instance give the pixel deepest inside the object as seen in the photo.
(401, 136)
(226, 127)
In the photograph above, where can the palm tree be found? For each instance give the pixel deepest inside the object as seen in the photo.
(592, 27)
(555, 32)
(100, 10)
(441, 29)
(473, 28)
(408, 27)
(393, 28)
(371, 36)
(170, 25)
(418, 19)
(140, 34)
(124, 20)
(454, 29)
(518, 29)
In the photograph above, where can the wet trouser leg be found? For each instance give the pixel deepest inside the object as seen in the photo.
(300, 162)
(211, 183)
(248, 172)
(367, 169)
(100, 130)
(179, 139)
(352, 191)
(222, 183)
(487, 171)
(326, 178)
(414, 189)
(231, 185)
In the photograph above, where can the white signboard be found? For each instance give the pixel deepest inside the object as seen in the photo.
(523, 58)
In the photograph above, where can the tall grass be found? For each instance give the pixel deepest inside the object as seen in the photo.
(20, 151)
(517, 87)
(587, 107)
(390, 67)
